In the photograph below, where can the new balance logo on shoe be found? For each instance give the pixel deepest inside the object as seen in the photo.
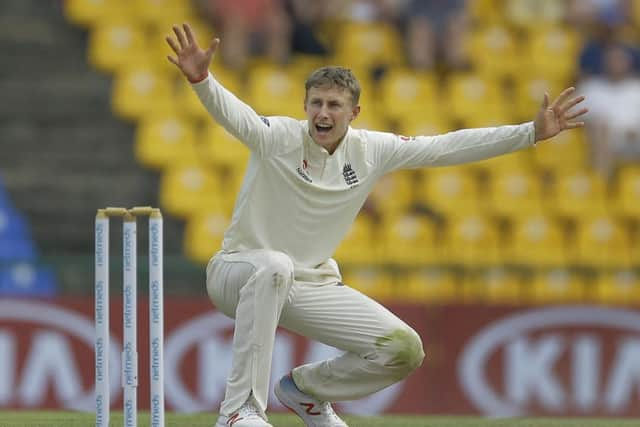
(309, 409)
(313, 412)
(233, 419)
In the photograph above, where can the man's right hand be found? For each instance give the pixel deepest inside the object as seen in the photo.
(192, 60)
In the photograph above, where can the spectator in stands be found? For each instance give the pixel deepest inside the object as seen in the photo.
(271, 28)
(249, 27)
(614, 119)
(434, 32)
(603, 23)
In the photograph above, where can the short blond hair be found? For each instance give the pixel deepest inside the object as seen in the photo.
(330, 76)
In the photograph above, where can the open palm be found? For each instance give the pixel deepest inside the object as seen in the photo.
(190, 58)
(555, 117)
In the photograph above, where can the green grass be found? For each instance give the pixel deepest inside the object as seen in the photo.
(78, 419)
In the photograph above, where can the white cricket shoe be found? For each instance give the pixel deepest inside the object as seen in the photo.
(313, 412)
(247, 416)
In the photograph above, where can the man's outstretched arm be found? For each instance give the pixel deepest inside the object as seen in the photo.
(238, 118)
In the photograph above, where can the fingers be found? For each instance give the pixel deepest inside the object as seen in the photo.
(180, 36)
(562, 97)
(576, 114)
(173, 60)
(213, 46)
(572, 103)
(173, 44)
(191, 37)
(545, 101)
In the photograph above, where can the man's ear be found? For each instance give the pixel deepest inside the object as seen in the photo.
(355, 112)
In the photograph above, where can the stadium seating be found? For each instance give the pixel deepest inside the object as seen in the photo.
(492, 286)
(536, 240)
(410, 240)
(164, 140)
(543, 210)
(203, 235)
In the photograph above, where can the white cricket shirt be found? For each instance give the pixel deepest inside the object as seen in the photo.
(298, 199)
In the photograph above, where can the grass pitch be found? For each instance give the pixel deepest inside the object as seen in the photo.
(79, 419)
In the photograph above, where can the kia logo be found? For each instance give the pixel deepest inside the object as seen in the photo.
(51, 360)
(556, 360)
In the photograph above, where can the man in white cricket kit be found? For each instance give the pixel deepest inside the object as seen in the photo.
(304, 185)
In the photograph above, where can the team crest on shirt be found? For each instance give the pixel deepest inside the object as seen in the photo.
(303, 174)
(407, 138)
(349, 175)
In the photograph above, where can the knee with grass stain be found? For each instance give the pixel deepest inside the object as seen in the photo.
(403, 348)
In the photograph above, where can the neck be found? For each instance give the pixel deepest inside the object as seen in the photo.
(330, 146)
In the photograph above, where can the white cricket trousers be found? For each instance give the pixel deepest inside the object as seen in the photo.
(258, 289)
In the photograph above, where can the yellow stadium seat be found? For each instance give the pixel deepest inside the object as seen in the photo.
(231, 180)
(139, 91)
(557, 286)
(492, 286)
(370, 281)
(370, 120)
(303, 65)
(476, 101)
(486, 11)
(274, 91)
(451, 190)
(527, 14)
(471, 240)
(621, 287)
(431, 286)
(154, 12)
(516, 161)
(189, 188)
(410, 240)
(627, 195)
(514, 193)
(165, 140)
(361, 245)
(220, 148)
(424, 125)
(405, 93)
(565, 152)
(203, 235)
(493, 51)
(529, 94)
(367, 45)
(88, 13)
(116, 44)
(552, 52)
(578, 193)
(393, 193)
(602, 241)
(537, 240)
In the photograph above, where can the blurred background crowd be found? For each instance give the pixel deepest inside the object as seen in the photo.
(96, 115)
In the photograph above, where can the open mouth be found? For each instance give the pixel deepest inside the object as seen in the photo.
(323, 128)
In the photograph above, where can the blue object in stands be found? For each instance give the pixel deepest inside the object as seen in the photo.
(13, 225)
(26, 279)
(15, 238)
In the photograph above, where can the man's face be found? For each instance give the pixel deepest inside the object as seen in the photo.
(329, 111)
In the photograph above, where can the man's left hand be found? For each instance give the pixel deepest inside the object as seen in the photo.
(559, 115)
